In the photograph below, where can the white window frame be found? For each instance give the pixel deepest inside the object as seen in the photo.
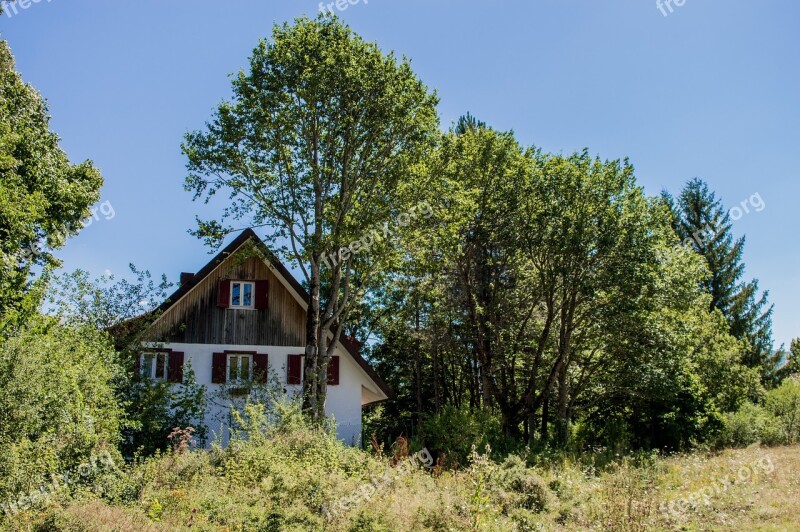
(242, 284)
(238, 356)
(154, 367)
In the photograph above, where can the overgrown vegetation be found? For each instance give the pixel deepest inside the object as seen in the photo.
(282, 473)
(551, 336)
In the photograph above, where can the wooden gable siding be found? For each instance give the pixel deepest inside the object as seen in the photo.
(196, 318)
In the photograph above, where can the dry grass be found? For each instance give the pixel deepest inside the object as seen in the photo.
(677, 493)
(766, 498)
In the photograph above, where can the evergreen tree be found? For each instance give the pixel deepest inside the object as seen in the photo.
(702, 223)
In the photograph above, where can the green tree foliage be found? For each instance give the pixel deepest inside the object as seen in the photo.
(775, 421)
(791, 364)
(155, 409)
(314, 146)
(784, 403)
(43, 198)
(57, 401)
(548, 288)
(702, 223)
(124, 309)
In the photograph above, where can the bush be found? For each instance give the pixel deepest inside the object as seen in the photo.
(775, 423)
(155, 409)
(455, 431)
(743, 427)
(784, 404)
(57, 404)
(530, 490)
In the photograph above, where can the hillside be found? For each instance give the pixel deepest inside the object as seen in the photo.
(298, 479)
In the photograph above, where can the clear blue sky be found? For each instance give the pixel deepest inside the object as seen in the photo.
(710, 90)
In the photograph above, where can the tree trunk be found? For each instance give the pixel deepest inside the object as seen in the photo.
(418, 368)
(511, 423)
(437, 391)
(563, 405)
(311, 399)
(545, 418)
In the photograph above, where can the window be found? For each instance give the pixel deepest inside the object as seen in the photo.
(155, 366)
(242, 295)
(240, 368)
(294, 370)
(250, 295)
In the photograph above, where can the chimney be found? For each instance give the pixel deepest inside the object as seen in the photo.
(186, 277)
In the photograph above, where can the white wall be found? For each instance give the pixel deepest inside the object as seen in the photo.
(343, 401)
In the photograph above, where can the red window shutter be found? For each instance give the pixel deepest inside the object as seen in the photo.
(294, 371)
(219, 366)
(260, 368)
(262, 295)
(333, 371)
(224, 294)
(175, 371)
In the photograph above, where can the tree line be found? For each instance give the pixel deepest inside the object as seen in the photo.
(542, 300)
(547, 289)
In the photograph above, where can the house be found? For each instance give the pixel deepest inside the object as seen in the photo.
(242, 317)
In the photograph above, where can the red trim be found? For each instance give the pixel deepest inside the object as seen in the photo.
(262, 295)
(175, 361)
(219, 366)
(333, 371)
(224, 293)
(294, 369)
(261, 368)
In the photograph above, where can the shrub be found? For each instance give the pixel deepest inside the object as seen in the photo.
(743, 427)
(775, 423)
(455, 431)
(784, 404)
(155, 409)
(57, 404)
(530, 490)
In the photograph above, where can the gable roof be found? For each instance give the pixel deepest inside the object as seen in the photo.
(348, 344)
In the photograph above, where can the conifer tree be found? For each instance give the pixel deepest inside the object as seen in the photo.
(701, 222)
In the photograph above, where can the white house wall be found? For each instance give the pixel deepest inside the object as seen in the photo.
(343, 401)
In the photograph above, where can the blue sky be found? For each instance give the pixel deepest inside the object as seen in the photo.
(710, 90)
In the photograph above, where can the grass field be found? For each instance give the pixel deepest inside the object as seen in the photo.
(252, 489)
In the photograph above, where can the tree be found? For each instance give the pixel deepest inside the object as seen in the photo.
(593, 240)
(57, 401)
(790, 364)
(784, 403)
(702, 223)
(549, 290)
(317, 146)
(43, 198)
(485, 171)
(124, 310)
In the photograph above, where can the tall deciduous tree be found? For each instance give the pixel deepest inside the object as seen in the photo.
(592, 239)
(314, 146)
(483, 172)
(702, 223)
(43, 198)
